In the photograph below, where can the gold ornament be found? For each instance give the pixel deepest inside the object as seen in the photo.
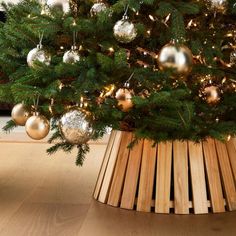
(37, 127)
(124, 30)
(211, 94)
(75, 127)
(20, 113)
(175, 57)
(62, 5)
(217, 5)
(124, 98)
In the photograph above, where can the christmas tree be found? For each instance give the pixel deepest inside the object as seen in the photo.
(164, 70)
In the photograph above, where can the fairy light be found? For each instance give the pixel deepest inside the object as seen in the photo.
(111, 49)
(229, 137)
(61, 47)
(151, 18)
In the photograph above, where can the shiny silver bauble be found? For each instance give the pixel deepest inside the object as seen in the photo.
(72, 56)
(61, 5)
(124, 31)
(97, 8)
(75, 127)
(178, 58)
(217, 5)
(38, 54)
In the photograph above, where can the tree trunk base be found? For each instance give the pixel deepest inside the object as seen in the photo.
(172, 177)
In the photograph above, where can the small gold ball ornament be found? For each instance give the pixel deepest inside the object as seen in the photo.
(37, 127)
(20, 114)
(75, 127)
(61, 5)
(124, 98)
(124, 30)
(175, 57)
(211, 94)
(217, 5)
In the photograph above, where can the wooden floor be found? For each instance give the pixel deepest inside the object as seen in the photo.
(50, 196)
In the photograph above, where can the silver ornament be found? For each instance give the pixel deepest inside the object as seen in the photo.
(217, 5)
(233, 58)
(75, 127)
(97, 8)
(179, 58)
(124, 30)
(62, 5)
(38, 54)
(71, 56)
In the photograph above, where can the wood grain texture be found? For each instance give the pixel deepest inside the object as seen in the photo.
(181, 195)
(104, 164)
(227, 175)
(213, 175)
(231, 147)
(103, 196)
(198, 178)
(131, 178)
(146, 177)
(120, 169)
(163, 177)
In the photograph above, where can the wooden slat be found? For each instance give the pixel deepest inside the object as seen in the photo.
(110, 169)
(227, 175)
(232, 155)
(131, 178)
(119, 173)
(146, 177)
(213, 175)
(163, 177)
(104, 164)
(198, 178)
(181, 193)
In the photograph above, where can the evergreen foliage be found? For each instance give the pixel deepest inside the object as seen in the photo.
(171, 110)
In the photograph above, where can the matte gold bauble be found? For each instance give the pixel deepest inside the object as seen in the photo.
(124, 98)
(37, 127)
(175, 57)
(20, 113)
(61, 5)
(75, 127)
(211, 94)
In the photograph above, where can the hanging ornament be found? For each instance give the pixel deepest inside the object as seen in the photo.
(62, 5)
(37, 126)
(20, 113)
(124, 98)
(38, 54)
(233, 58)
(71, 56)
(211, 94)
(75, 127)
(97, 8)
(217, 5)
(175, 57)
(125, 31)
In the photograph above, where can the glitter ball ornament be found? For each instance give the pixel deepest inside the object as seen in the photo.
(62, 5)
(75, 127)
(20, 114)
(124, 30)
(37, 127)
(97, 8)
(233, 57)
(124, 98)
(179, 58)
(217, 5)
(211, 94)
(38, 54)
(71, 56)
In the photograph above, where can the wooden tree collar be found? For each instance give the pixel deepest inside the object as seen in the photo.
(172, 177)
